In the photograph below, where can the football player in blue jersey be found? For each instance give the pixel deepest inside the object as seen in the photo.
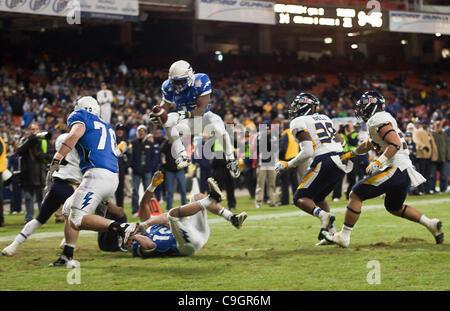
(182, 231)
(95, 142)
(191, 95)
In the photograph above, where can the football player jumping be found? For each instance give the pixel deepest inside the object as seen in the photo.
(391, 174)
(182, 231)
(318, 140)
(95, 142)
(191, 94)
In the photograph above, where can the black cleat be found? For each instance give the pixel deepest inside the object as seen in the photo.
(214, 191)
(238, 220)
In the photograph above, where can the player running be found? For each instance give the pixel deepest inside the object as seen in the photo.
(182, 231)
(391, 174)
(318, 140)
(61, 186)
(191, 95)
(95, 142)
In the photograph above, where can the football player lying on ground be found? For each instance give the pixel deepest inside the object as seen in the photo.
(391, 174)
(182, 231)
(318, 140)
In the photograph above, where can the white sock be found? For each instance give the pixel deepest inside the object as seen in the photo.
(317, 212)
(205, 202)
(225, 213)
(27, 231)
(346, 230)
(424, 220)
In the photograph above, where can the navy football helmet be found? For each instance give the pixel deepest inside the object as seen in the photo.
(369, 104)
(304, 104)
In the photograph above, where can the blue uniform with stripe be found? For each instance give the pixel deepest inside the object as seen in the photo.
(187, 99)
(97, 147)
(162, 236)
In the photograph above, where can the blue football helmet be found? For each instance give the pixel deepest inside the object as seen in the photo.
(181, 76)
(304, 104)
(369, 104)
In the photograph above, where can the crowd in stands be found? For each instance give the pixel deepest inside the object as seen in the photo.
(43, 95)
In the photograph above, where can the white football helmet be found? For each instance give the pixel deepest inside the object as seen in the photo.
(181, 75)
(89, 104)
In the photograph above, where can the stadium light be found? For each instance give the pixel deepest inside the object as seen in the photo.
(353, 34)
(404, 42)
(328, 40)
(219, 56)
(354, 46)
(438, 34)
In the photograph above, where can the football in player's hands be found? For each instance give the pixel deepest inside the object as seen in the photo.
(159, 113)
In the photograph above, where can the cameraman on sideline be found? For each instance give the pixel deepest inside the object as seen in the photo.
(35, 153)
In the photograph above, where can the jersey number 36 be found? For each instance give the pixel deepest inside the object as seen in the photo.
(325, 132)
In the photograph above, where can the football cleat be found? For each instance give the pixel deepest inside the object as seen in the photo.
(435, 230)
(323, 242)
(157, 178)
(182, 162)
(326, 220)
(238, 220)
(64, 261)
(214, 191)
(337, 238)
(233, 167)
(10, 250)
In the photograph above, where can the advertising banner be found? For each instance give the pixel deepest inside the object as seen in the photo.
(109, 9)
(419, 22)
(244, 11)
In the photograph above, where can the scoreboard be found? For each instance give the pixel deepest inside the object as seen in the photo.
(331, 17)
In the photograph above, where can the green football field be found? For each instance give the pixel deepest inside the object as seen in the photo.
(273, 251)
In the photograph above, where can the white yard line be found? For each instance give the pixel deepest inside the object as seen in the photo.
(44, 235)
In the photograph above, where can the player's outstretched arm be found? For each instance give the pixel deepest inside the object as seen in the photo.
(361, 149)
(144, 209)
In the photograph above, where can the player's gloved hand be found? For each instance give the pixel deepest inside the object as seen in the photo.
(154, 119)
(185, 115)
(373, 167)
(122, 146)
(281, 166)
(347, 155)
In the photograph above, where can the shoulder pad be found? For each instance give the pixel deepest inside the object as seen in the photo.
(297, 125)
(379, 119)
(202, 83)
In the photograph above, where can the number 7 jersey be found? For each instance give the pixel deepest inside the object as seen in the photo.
(320, 128)
(97, 147)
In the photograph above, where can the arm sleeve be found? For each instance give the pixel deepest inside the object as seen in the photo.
(306, 152)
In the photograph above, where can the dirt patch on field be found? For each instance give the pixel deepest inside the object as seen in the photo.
(380, 244)
(410, 240)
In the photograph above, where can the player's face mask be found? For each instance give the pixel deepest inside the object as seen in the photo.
(180, 84)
